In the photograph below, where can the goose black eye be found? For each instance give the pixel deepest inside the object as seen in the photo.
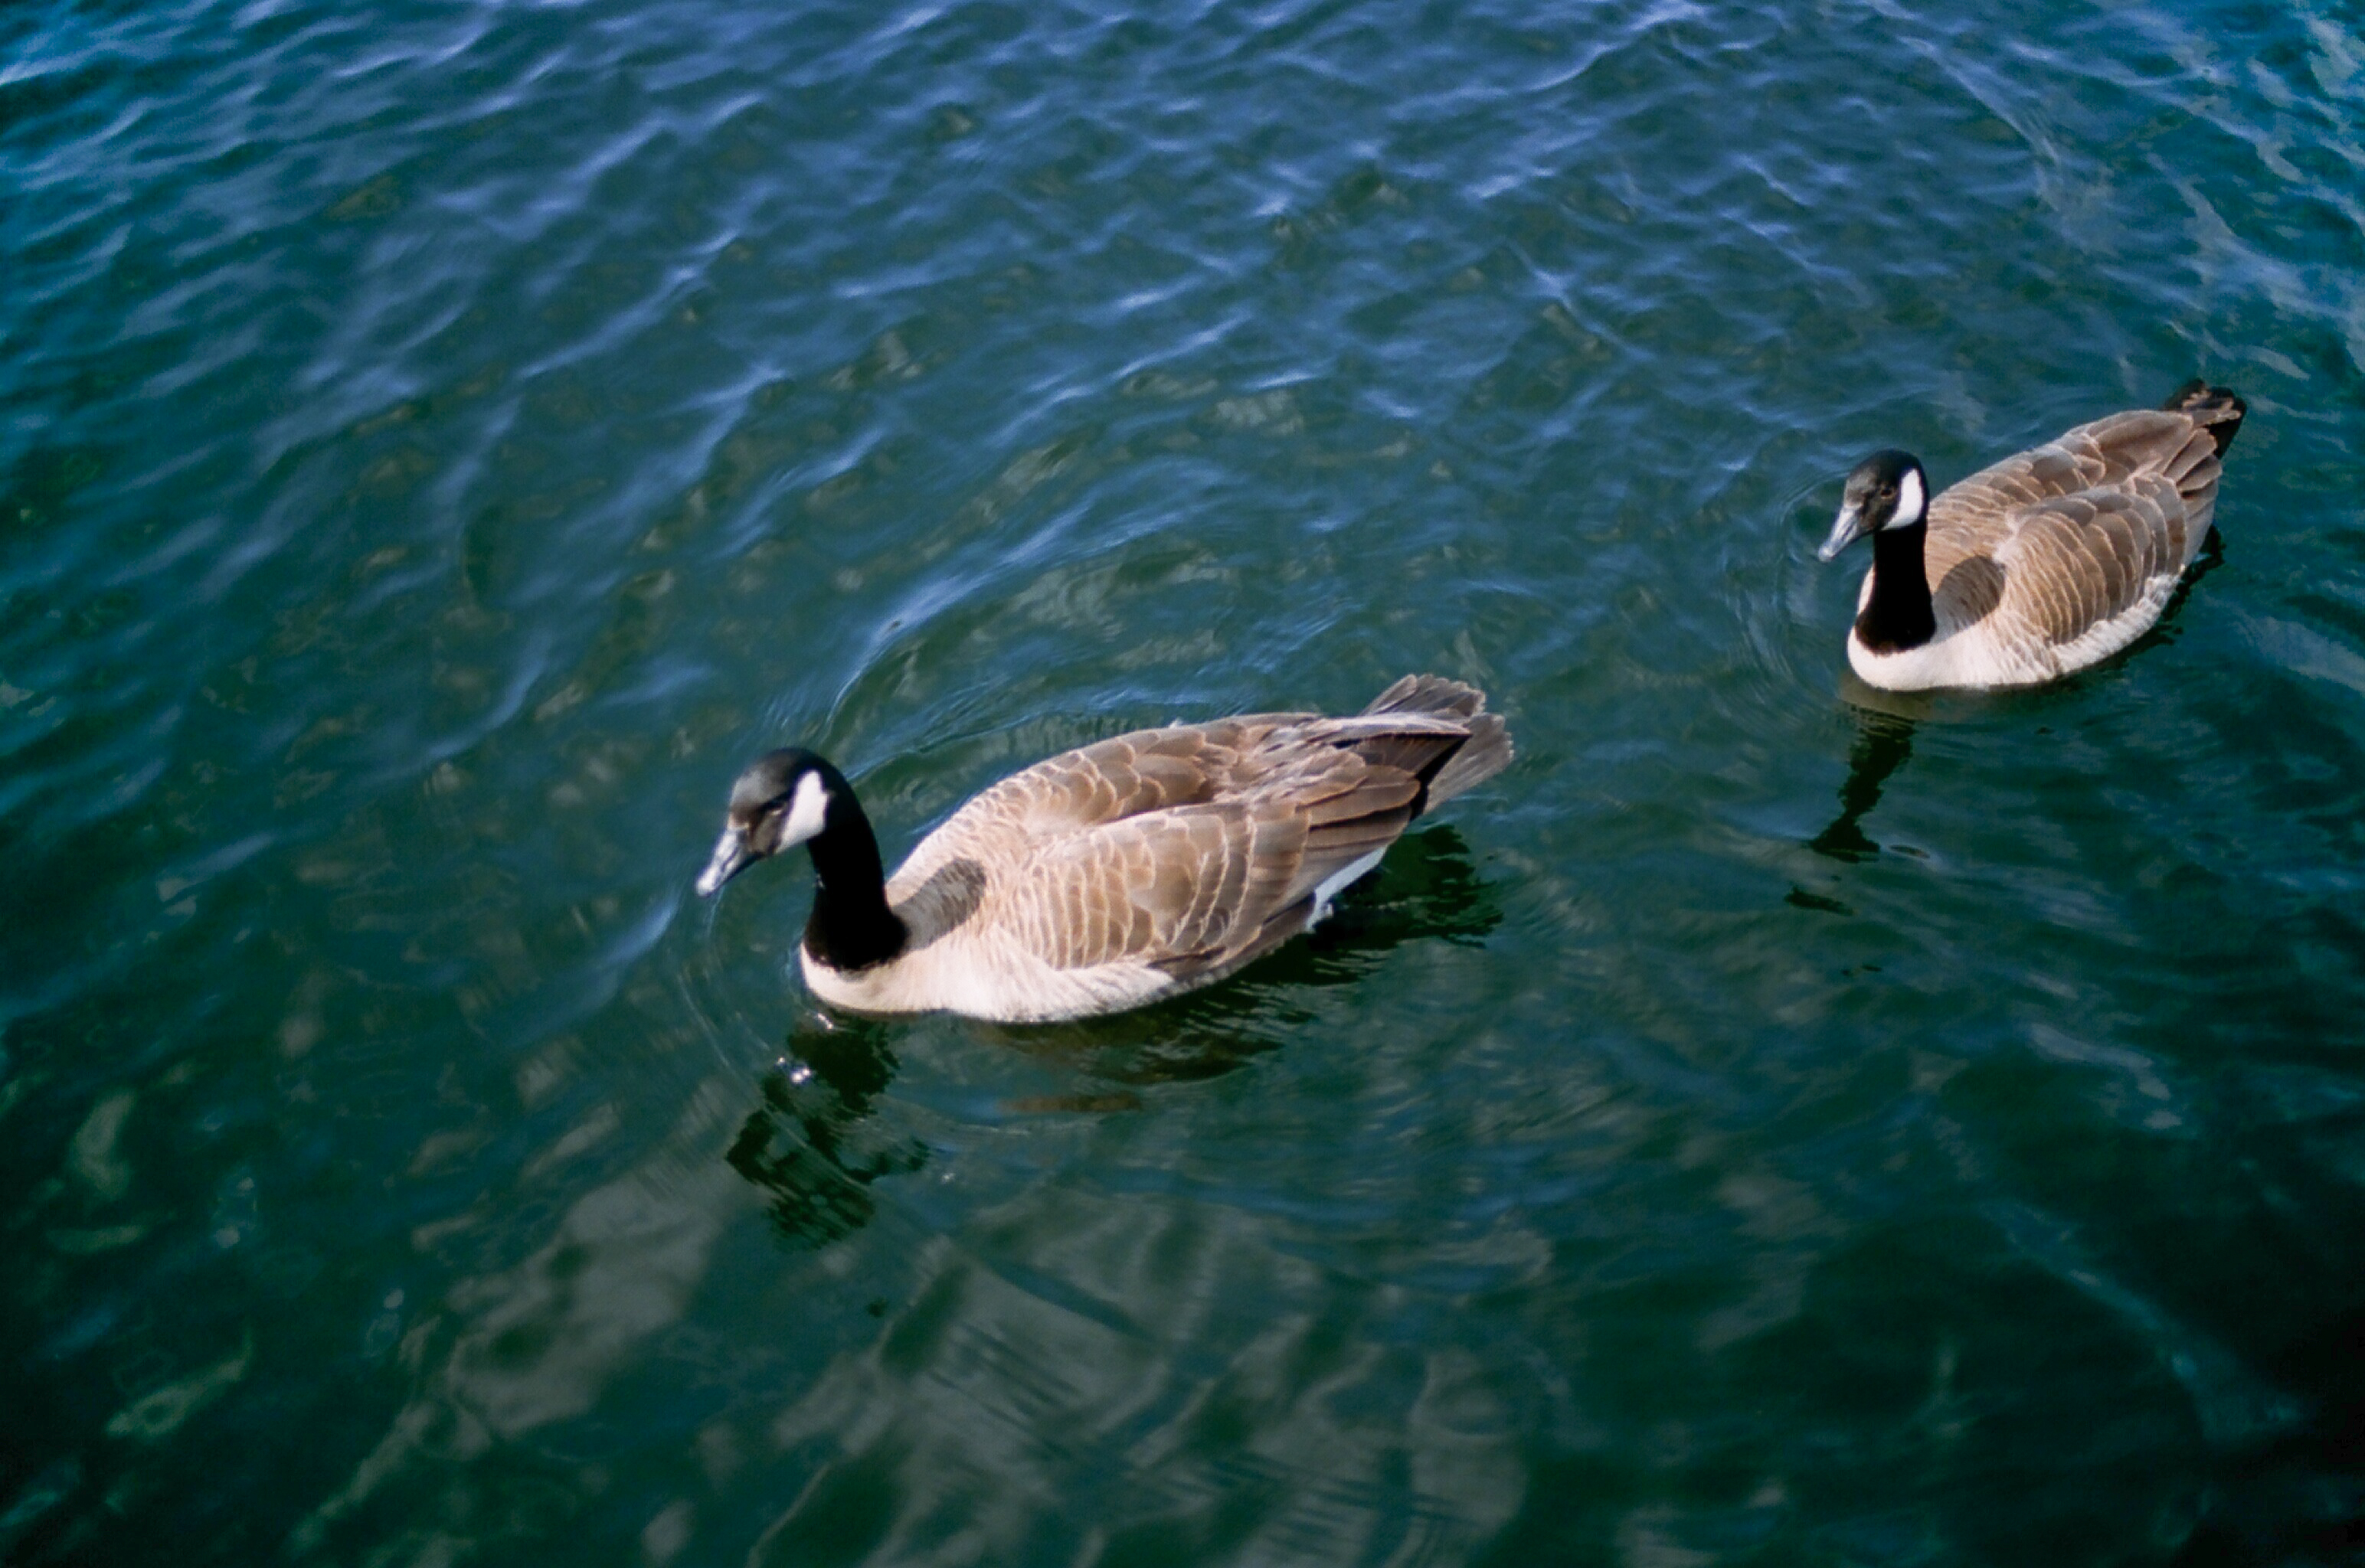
(1889, 492)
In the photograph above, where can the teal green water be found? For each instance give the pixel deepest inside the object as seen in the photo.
(442, 442)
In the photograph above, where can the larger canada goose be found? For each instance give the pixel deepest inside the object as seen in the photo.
(1118, 873)
(2044, 564)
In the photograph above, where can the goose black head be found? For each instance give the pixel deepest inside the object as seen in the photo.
(782, 800)
(1886, 490)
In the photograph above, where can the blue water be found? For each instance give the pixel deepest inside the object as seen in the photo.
(440, 443)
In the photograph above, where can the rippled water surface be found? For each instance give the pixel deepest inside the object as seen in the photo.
(440, 443)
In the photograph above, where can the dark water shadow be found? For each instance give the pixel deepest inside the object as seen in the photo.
(1883, 743)
(2295, 1497)
(2210, 557)
(810, 1144)
(1427, 886)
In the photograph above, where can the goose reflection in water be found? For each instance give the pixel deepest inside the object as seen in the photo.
(813, 1145)
(1883, 741)
(807, 1144)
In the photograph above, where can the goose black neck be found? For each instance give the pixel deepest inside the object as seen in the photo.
(1898, 615)
(851, 927)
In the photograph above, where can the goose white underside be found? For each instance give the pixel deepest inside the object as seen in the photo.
(1002, 984)
(1012, 986)
(1977, 656)
(1338, 881)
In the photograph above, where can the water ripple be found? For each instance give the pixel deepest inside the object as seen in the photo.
(437, 444)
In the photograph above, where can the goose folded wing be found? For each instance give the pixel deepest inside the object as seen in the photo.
(2107, 453)
(2076, 561)
(1130, 775)
(1194, 882)
(2120, 447)
(1202, 887)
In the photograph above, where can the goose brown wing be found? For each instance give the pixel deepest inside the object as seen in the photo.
(1208, 885)
(1194, 847)
(2180, 447)
(1146, 770)
(2108, 452)
(1192, 885)
(1109, 782)
(2076, 561)
(2145, 480)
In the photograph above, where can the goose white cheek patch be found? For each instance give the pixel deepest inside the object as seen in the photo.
(1909, 502)
(807, 811)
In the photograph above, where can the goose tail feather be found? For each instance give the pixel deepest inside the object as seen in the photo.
(1430, 694)
(1487, 751)
(2218, 409)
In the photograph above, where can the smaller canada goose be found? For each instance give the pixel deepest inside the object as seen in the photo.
(1118, 873)
(2044, 563)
